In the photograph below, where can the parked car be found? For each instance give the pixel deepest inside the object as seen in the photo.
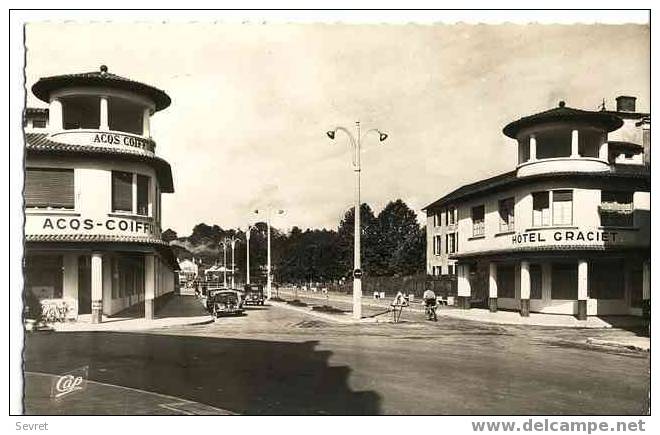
(253, 294)
(224, 302)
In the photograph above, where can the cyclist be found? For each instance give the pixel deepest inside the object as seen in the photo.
(430, 302)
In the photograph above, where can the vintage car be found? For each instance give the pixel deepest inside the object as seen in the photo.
(253, 294)
(224, 302)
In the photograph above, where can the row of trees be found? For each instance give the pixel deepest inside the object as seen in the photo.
(393, 243)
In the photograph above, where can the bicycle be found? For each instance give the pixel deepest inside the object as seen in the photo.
(429, 311)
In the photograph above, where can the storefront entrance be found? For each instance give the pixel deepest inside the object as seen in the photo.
(84, 284)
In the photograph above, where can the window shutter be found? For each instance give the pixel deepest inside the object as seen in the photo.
(48, 187)
(122, 191)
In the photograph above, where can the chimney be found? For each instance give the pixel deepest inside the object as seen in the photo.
(625, 103)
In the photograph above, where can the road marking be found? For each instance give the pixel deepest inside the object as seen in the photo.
(175, 403)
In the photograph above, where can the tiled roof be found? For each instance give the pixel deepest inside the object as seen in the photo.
(92, 238)
(42, 143)
(604, 119)
(509, 178)
(43, 88)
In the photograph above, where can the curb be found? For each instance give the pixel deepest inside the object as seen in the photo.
(617, 344)
(108, 327)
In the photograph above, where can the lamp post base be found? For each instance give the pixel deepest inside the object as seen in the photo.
(357, 298)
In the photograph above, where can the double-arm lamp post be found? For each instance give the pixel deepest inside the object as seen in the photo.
(269, 281)
(247, 254)
(357, 272)
(229, 241)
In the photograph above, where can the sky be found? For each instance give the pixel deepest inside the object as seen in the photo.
(251, 104)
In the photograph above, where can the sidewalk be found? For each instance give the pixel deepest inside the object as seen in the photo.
(477, 314)
(177, 311)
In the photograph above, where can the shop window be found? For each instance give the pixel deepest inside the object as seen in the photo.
(506, 281)
(589, 142)
(506, 209)
(142, 195)
(552, 144)
(44, 275)
(636, 284)
(81, 112)
(478, 227)
(125, 116)
(122, 191)
(564, 281)
(127, 275)
(616, 209)
(536, 281)
(606, 279)
(541, 209)
(562, 207)
(49, 187)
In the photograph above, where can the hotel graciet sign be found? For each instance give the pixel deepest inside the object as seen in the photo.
(571, 236)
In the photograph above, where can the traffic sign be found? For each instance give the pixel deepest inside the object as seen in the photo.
(357, 273)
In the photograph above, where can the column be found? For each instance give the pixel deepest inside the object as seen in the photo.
(525, 288)
(583, 283)
(575, 145)
(149, 285)
(55, 115)
(492, 287)
(70, 283)
(146, 127)
(464, 290)
(646, 289)
(97, 287)
(104, 124)
(532, 147)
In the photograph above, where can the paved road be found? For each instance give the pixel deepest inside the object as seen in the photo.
(279, 361)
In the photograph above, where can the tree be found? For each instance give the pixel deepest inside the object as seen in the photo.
(346, 241)
(168, 235)
(397, 229)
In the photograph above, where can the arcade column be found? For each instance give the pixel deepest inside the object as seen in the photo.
(97, 287)
(149, 285)
(492, 287)
(464, 290)
(583, 282)
(525, 288)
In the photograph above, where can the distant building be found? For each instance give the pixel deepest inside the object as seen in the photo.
(93, 186)
(188, 271)
(567, 231)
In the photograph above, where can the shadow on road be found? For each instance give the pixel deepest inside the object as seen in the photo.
(243, 376)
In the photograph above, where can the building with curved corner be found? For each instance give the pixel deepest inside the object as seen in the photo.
(92, 195)
(567, 231)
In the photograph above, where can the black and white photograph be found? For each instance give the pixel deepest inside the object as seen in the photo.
(333, 217)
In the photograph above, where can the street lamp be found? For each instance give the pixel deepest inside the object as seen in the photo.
(357, 272)
(247, 250)
(230, 241)
(224, 245)
(268, 278)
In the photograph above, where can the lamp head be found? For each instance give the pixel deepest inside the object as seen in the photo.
(280, 211)
(331, 134)
(382, 136)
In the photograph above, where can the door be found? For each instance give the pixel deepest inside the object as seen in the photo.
(84, 284)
